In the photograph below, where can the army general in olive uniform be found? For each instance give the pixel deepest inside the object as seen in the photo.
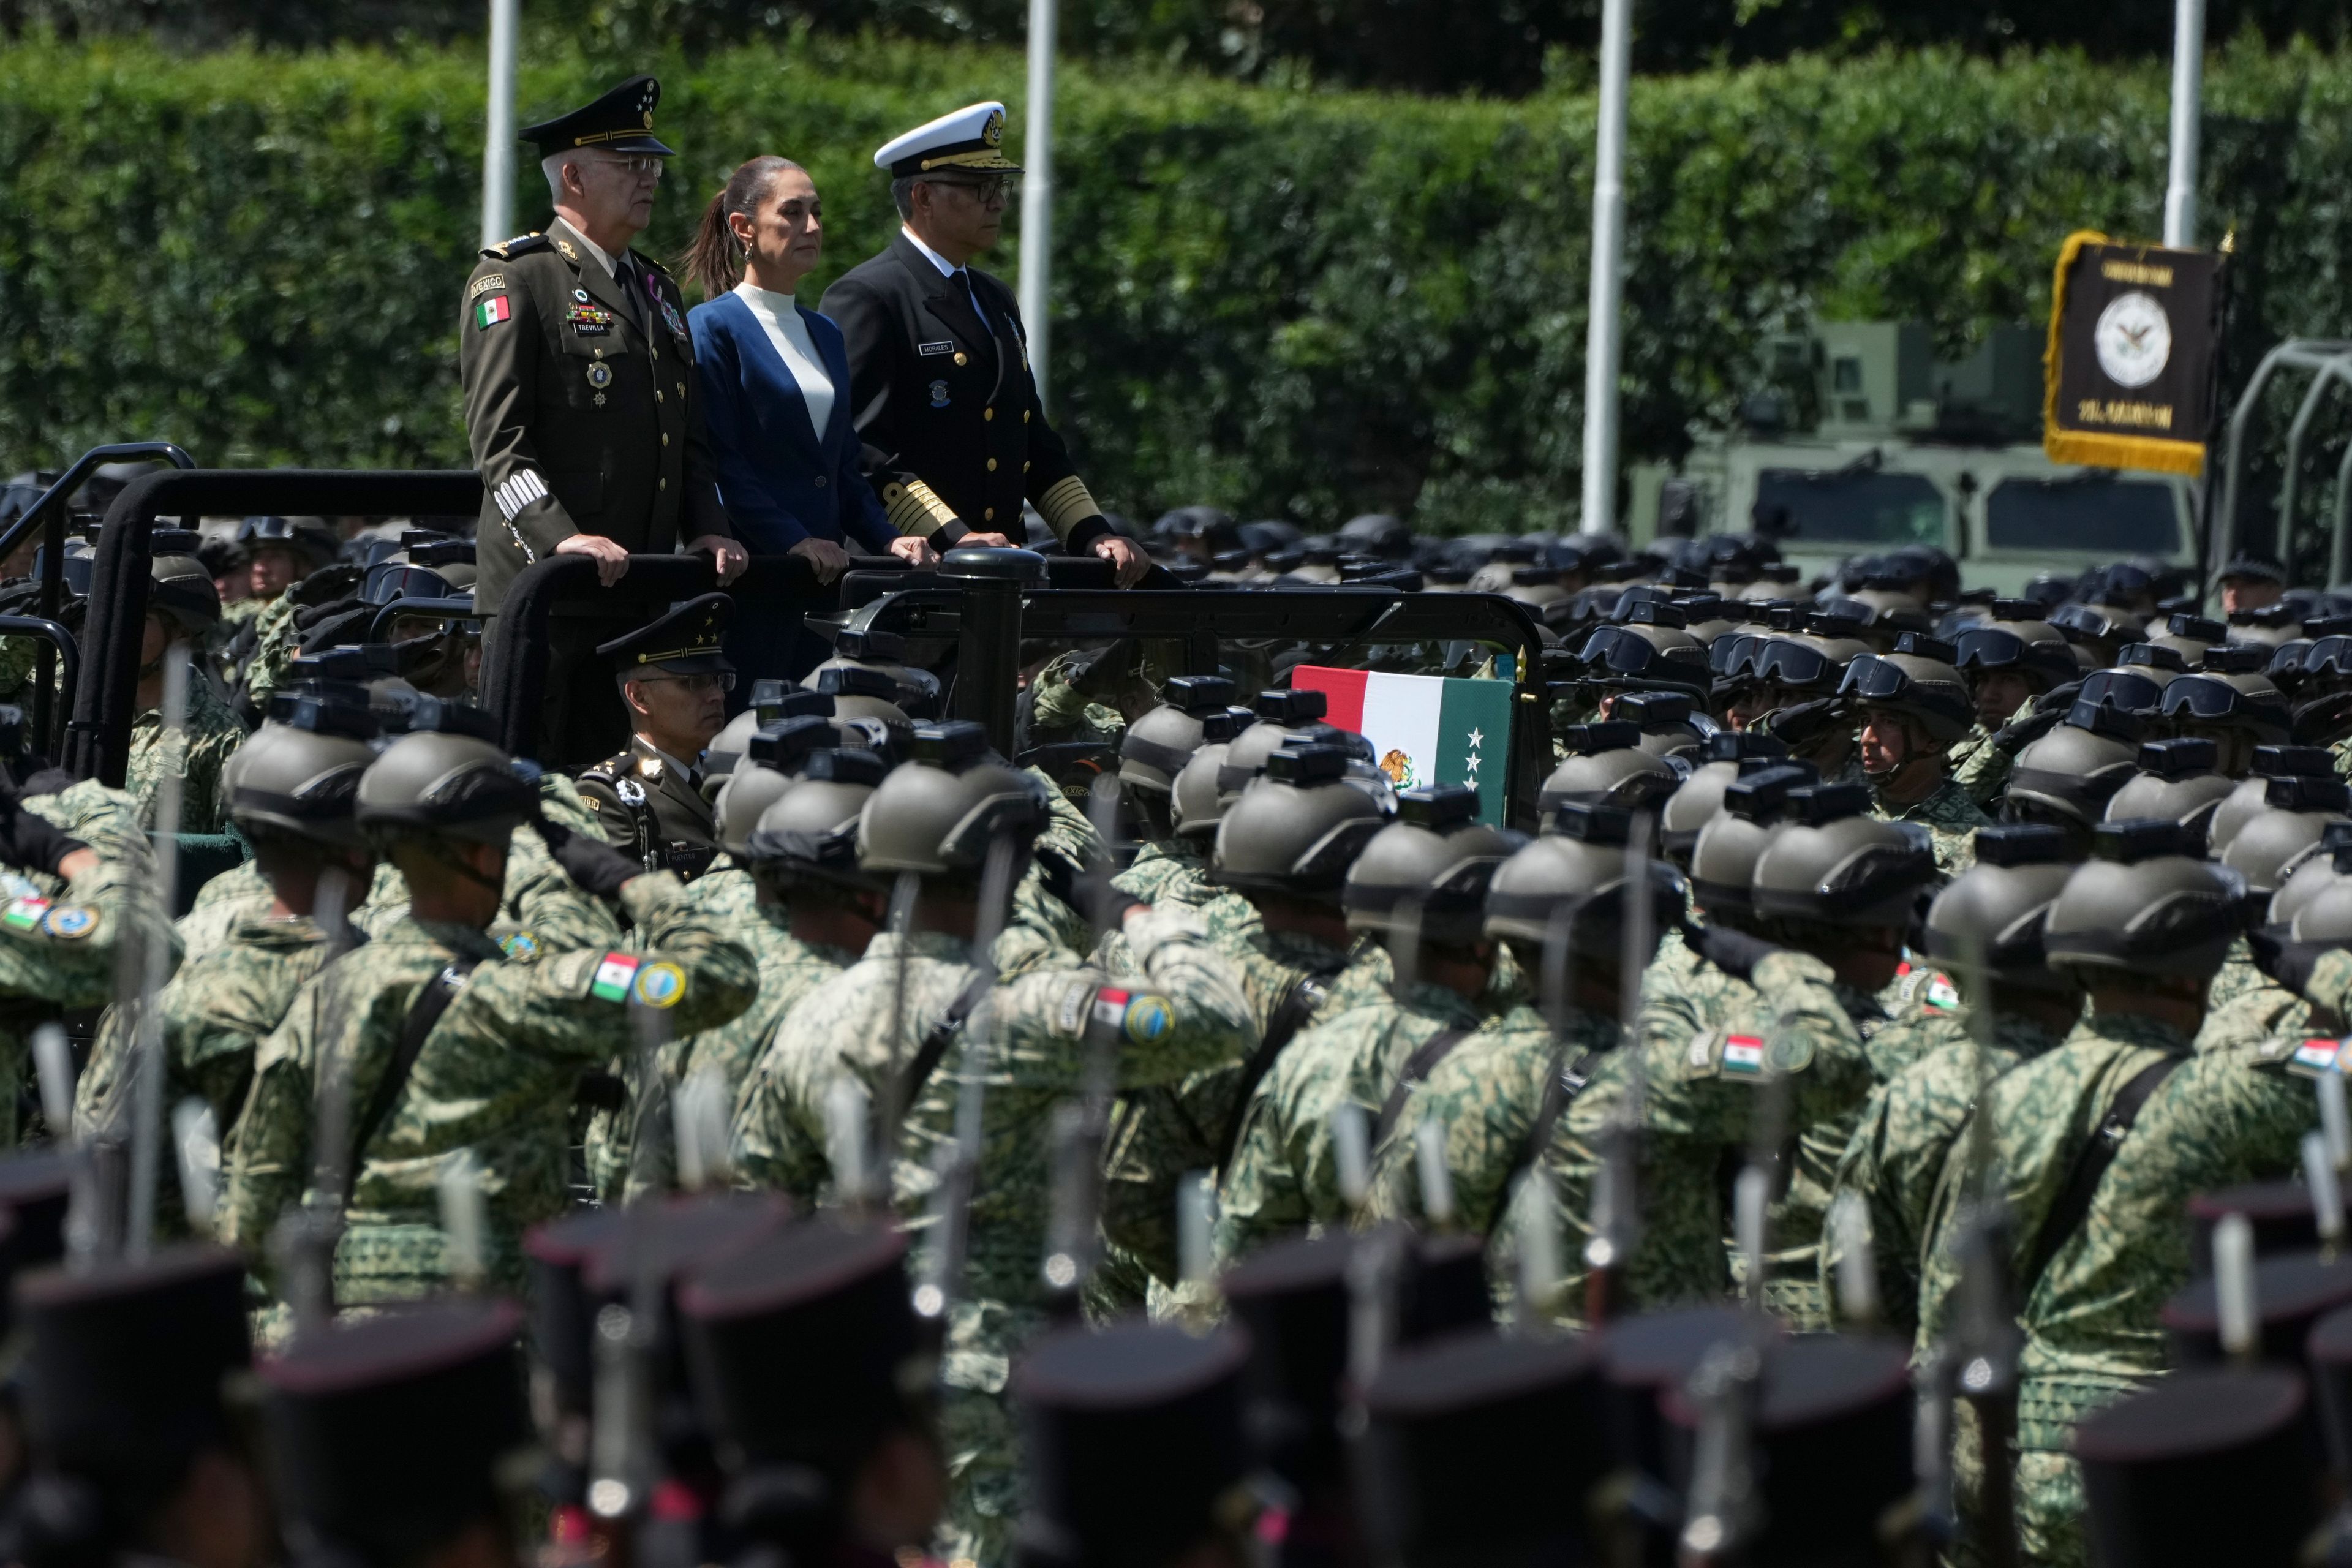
(579, 376)
(955, 439)
(674, 680)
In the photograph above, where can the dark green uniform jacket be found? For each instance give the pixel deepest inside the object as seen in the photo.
(652, 811)
(947, 409)
(580, 406)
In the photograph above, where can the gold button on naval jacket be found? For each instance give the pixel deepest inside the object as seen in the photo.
(661, 484)
(991, 465)
(1025, 464)
(657, 396)
(682, 389)
(959, 359)
(988, 413)
(987, 514)
(665, 438)
(1025, 416)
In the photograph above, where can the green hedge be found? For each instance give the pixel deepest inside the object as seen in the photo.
(1293, 303)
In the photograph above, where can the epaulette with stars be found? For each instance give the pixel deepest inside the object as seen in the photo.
(520, 245)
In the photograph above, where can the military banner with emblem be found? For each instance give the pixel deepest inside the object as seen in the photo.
(2128, 381)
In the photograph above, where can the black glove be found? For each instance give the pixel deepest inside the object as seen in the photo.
(2322, 721)
(1733, 952)
(329, 583)
(30, 841)
(594, 865)
(1088, 889)
(2048, 710)
(1803, 722)
(2279, 955)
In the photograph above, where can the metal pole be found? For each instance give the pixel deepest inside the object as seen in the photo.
(2188, 94)
(1605, 334)
(498, 125)
(1037, 190)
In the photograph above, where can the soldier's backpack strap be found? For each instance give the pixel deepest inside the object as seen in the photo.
(423, 1014)
(1560, 1091)
(1306, 994)
(939, 1037)
(2066, 1215)
(1417, 1067)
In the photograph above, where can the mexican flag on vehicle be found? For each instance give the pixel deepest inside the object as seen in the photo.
(1424, 729)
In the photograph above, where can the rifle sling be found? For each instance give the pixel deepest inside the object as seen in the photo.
(1560, 1091)
(423, 1014)
(939, 1037)
(1290, 1014)
(1417, 1067)
(2074, 1204)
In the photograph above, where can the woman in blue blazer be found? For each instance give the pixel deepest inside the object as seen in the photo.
(775, 394)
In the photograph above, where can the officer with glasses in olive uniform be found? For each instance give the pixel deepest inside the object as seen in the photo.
(955, 439)
(673, 678)
(579, 400)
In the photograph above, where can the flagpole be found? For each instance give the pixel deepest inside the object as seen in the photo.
(498, 125)
(1605, 329)
(1038, 193)
(2188, 95)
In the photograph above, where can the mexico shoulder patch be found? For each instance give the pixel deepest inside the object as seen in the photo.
(614, 977)
(1743, 1056)
(24, 914)
(2316, 1059)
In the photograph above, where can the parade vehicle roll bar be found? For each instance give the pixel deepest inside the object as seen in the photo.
(48, 514)
(96, 742)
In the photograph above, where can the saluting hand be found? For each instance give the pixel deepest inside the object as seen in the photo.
(612, 557)
(1126, 556)
(732, 557)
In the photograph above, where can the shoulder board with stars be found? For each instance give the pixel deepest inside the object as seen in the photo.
(520, 245)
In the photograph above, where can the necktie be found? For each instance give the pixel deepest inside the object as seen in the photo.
(963, 281)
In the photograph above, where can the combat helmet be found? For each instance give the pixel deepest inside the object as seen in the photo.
(2176, 780)
(1576, 876)
(1159, 743)
(936, 814)
(1728, 754)
(864, 648)
(1916, 681)
(2189, 635)
(769, 705)
(808, 833)
(2018, 637)
(1282, 713)
(2270, 845)
(299, 773)
(179, 589)
(2143, 904)
(2315, 875)
(2229, 699)
(1723, 862)
(1297, 829)
(1993, 912)
(446, 779)
(1836, 865)
(1607, 766)
(2252, 795)
(1669, 721)
(1649, 647)
(1195, 803)
(2067, 776)
(1425, 874)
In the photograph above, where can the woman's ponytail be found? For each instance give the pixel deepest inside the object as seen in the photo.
(715, 260)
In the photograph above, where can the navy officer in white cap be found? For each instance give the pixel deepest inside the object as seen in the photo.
(954, 437)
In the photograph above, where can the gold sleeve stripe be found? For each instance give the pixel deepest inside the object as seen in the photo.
(914, 510)
(1066, 505)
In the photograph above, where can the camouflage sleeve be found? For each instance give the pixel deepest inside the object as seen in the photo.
(1485, 1096)
(578, 1003)
(271, 1163)
(63, 953)
(540, 898)
(203, 798)
(2330, 985)
(1282, 1177)
(1889, 1185)
(277, 639)
(774, 1148)
(1185, 1012)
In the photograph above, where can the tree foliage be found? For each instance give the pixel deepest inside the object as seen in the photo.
(1293, 303)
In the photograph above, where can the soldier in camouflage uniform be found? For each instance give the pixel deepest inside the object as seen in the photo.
(182, 606)
(1991, 914)
(1800, 1022)
(2144, 926)
(1421, 883)
(290, 791)
(493, 1073)
(1915, 707)
(1031, 1037)
(2010, 661)
(1496, 1099)
(1284, 850)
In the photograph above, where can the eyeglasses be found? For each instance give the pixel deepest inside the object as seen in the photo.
(701, 685)
(636, 165)
(988, 192)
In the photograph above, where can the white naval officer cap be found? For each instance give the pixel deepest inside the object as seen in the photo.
(970, 138)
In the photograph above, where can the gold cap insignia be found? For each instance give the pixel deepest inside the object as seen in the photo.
(994, 132)
(649, 119)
